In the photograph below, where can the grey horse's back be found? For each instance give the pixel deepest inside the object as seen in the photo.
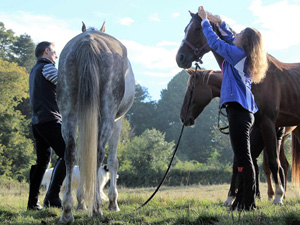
(110, 54)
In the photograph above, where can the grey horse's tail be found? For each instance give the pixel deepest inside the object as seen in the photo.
(88, 115)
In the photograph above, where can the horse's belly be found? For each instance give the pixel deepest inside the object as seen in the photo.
(288, 119)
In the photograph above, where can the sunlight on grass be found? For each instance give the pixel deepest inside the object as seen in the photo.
(196, 204)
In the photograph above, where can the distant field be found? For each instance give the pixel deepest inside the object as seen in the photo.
(172, 205)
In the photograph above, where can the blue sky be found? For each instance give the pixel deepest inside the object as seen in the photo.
(152, 30)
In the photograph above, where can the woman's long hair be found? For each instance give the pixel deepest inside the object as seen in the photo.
(257, 56)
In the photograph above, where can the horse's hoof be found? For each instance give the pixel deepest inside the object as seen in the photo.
(97, 212)
(81, 207)
(277, 202)
(113, 208)
(66, 219)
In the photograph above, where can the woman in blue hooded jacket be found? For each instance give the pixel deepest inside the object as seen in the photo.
(245, 62)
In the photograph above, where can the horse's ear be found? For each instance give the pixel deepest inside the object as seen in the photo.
(192, 14)
(83, 29)
(103, 27)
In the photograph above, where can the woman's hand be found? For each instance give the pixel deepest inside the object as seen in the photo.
(214, 18)
(202, 13)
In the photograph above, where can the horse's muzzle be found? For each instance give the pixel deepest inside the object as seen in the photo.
(188, 121)
(182, 61)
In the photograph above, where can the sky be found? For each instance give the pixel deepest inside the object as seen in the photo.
(152, 30)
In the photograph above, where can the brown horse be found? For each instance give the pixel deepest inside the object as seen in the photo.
(277, 97)
(205, 85)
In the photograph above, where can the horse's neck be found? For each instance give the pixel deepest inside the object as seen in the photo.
(219, 58)
(215, 82)
(273, 62)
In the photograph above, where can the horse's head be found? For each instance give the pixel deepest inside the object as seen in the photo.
(102, 29)
(198, 95)
(194, 44)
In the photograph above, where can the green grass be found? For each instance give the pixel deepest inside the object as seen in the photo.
(172, 205)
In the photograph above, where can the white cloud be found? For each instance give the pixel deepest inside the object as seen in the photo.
(154, 17)
(126, 21)
(175, 15)
(279, 22)
(233, 24)
(151, 57)
(168, 43)
(40, 28)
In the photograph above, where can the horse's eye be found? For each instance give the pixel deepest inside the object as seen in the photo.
(198, 28)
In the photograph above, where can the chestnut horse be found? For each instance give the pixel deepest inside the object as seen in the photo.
(204, 86)
(277, 97)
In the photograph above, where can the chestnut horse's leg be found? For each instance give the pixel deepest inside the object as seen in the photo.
(269, 135)
(281, 134)
(268, 173)
(296, 157)
(284, 163)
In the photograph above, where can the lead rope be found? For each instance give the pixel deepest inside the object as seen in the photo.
(175, 150)
(221, 129)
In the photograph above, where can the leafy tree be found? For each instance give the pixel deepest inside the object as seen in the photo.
(15, 149)
(7, 39)
(18, 49)
(147, 153)
(23, 52)
(222, 145)
(197, 142)
(168, 107)
(142, 113)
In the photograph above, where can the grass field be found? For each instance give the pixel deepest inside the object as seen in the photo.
(172, 205)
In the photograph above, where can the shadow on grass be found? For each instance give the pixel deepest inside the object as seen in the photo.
(292, 218)
(207, 220)
(6, 213)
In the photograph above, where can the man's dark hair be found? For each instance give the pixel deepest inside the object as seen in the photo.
(40, 48)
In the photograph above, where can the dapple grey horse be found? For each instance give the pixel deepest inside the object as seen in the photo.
(95, 89)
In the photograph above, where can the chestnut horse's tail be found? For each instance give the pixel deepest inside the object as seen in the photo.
(296, 161)
(88, 113)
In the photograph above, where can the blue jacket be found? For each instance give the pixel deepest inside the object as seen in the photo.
(236, 84)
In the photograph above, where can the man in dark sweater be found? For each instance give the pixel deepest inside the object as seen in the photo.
(46, 127)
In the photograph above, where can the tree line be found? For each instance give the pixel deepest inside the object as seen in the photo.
(150, 129)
